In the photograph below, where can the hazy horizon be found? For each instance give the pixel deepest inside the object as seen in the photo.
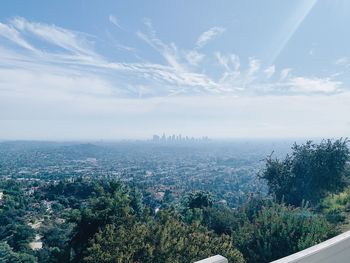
(149, 139)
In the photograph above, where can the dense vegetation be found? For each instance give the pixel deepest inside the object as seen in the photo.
(309, 173)
(103, 220)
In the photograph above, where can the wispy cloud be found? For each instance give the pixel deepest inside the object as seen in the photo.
(74, 42)
(230, 62)
(73, 67)
(13, 35)
(254, 66)
(168, 52)
(194, 57)
(285, 73)
(343, 61)
(52, 73)
(208, 35)
(270, 71)
(314, 85)
(114, 20)
(175, 59)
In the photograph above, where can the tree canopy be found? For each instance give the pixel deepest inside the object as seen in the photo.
(309, 172)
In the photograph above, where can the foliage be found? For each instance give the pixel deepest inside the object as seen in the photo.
(309, 173)
(198, 199)
(111, 206)
(222, 219)
(335, 207)
(193, 205)
(13, 227)
(56, 238)
(112, 228)
(7, 255)
(277, 230)
(165, 240)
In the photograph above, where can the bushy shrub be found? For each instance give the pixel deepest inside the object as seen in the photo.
(277, 230)
(309, 173)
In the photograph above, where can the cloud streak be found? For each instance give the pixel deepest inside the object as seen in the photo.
(13, 35)
(209, 35)
(72, 67)
(57, 77)
(73, 42)
(114, 20)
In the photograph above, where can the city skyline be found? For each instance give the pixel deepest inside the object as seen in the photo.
(177, 138)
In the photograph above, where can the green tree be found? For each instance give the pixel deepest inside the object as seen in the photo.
(121, 244)
(198, 199)
(20, 236)
(179, 242)
(7, 255)
(111, 206)
(336, 207)
(165, 240)
(309, 172)
(275, 230)
(222, 219)
(193, 205)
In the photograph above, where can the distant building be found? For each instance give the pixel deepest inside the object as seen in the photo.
(163, 138)
(156, 138)
(177, 138)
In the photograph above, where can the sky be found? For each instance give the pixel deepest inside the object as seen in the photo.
(92, 70)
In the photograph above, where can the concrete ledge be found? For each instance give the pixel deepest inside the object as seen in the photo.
(214, 259)
(334, 250)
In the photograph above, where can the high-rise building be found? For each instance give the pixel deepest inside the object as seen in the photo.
(163, 138)
(156, 138)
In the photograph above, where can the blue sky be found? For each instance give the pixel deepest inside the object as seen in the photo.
(129, 69)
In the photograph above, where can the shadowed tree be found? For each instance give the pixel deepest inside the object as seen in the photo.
(309, 172)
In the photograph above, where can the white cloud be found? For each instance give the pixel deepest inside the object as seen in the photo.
(168, 52)
(114, 20)
(270, 71)
(193, 57)
(254, 66)
(314, 85)
(13, 35)
(343, 61)
(165, 80)
(230, 62)
(75, 86)
(285, 73)
(52, 78)
(68, 40)
(208, 35)
(179, 71)
(79, 70)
